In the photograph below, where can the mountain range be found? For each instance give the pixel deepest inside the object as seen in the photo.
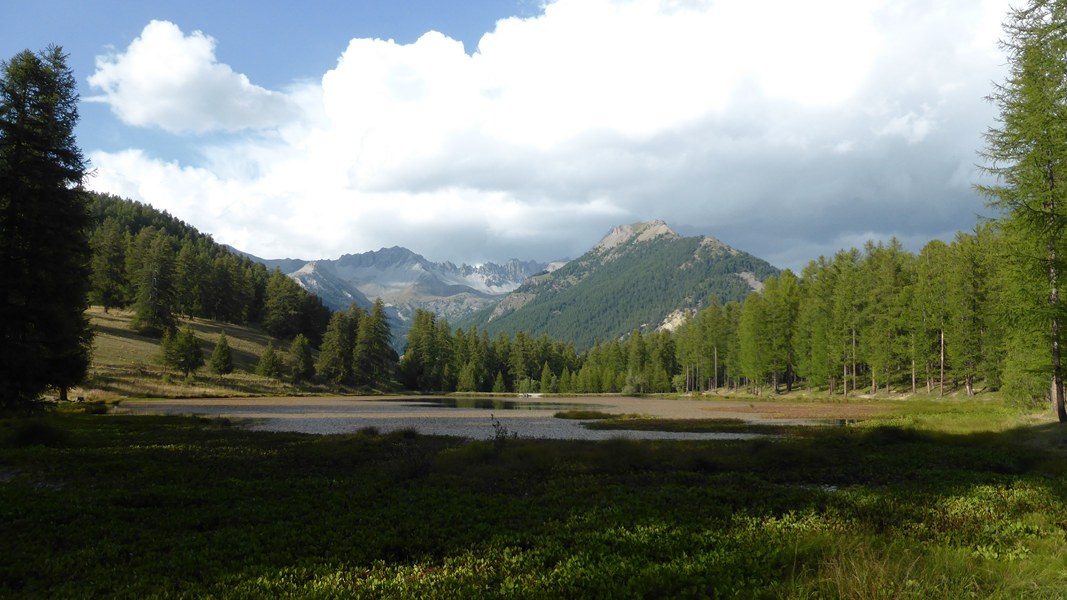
(406, 281)
(642, 276)
(639, 276)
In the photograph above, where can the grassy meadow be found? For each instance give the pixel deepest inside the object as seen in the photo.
(127, 364)
(950, 499)
(907, 497)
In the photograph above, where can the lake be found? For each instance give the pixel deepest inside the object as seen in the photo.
(453, 416)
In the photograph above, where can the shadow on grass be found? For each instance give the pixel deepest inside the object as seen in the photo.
(193, 506)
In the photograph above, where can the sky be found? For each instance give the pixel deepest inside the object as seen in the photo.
(486, 130)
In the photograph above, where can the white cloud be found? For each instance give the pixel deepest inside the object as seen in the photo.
(169, 80)
(593, 113)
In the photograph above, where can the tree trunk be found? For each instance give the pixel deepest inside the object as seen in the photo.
(941, 394)
(914, 386)
(855, 384)
(715, 350)
(1056, 395)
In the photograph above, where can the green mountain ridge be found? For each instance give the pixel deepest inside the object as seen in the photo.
(635, 278)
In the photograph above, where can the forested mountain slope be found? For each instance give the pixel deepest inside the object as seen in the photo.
(636, 277)
(161, 267)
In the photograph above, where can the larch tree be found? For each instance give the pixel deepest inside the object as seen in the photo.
(222, 357)
(156, 292)
(373, 357)
(754, 341)
(303, 367)
(45, 338)
(335, 355)
(1026, 151)
(108, 260)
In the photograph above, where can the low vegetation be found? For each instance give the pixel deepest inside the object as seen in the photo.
(911, 505)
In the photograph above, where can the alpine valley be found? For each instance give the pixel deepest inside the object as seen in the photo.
(642, 275)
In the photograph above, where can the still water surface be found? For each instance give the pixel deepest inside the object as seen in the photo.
(463, 417)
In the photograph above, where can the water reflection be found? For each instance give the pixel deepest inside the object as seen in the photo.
(493, 404)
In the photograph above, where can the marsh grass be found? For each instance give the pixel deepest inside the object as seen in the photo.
(590, 415)
(645, 423)
(146, 506)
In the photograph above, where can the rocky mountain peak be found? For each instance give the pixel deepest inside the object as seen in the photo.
(635, 232)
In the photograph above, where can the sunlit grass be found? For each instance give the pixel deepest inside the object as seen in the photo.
(148, 506)
(128, 365)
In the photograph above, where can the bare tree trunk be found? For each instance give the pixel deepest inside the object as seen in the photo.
(1056, 393)
(1057, 398)
(716, 355)
(844, 379)
(855, 384)
(914, 387)
(941, 394)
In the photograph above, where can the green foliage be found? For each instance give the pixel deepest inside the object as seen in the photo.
(607, 293)
(165, 267)
(373, 357)
(154, 280)
(498, 384)
(303, 367)
(181, 350)
(839, 513)
(1027, 153)
(335, 356)
(44, 249)
(269, 365)
(222, 356)
(109, 285)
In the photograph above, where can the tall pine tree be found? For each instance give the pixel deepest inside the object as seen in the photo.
(1027, 153)
(45, 339)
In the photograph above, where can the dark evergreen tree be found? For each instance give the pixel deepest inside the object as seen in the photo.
(156, 303)
(335, 355)
(303, 367)
(373, 357)
(45, 339)
(269, 364)
(190, 274)
(181, 350)
(281, 306)
(222, 357)
(109, 286)
(498, 383)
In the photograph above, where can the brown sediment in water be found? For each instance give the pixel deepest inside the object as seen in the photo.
(343, 413)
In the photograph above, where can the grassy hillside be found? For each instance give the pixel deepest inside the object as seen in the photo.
(127, 364)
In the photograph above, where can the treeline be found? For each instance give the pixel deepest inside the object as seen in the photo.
(438, 358)
(862, 321)
(163, 268)
(877, 319)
